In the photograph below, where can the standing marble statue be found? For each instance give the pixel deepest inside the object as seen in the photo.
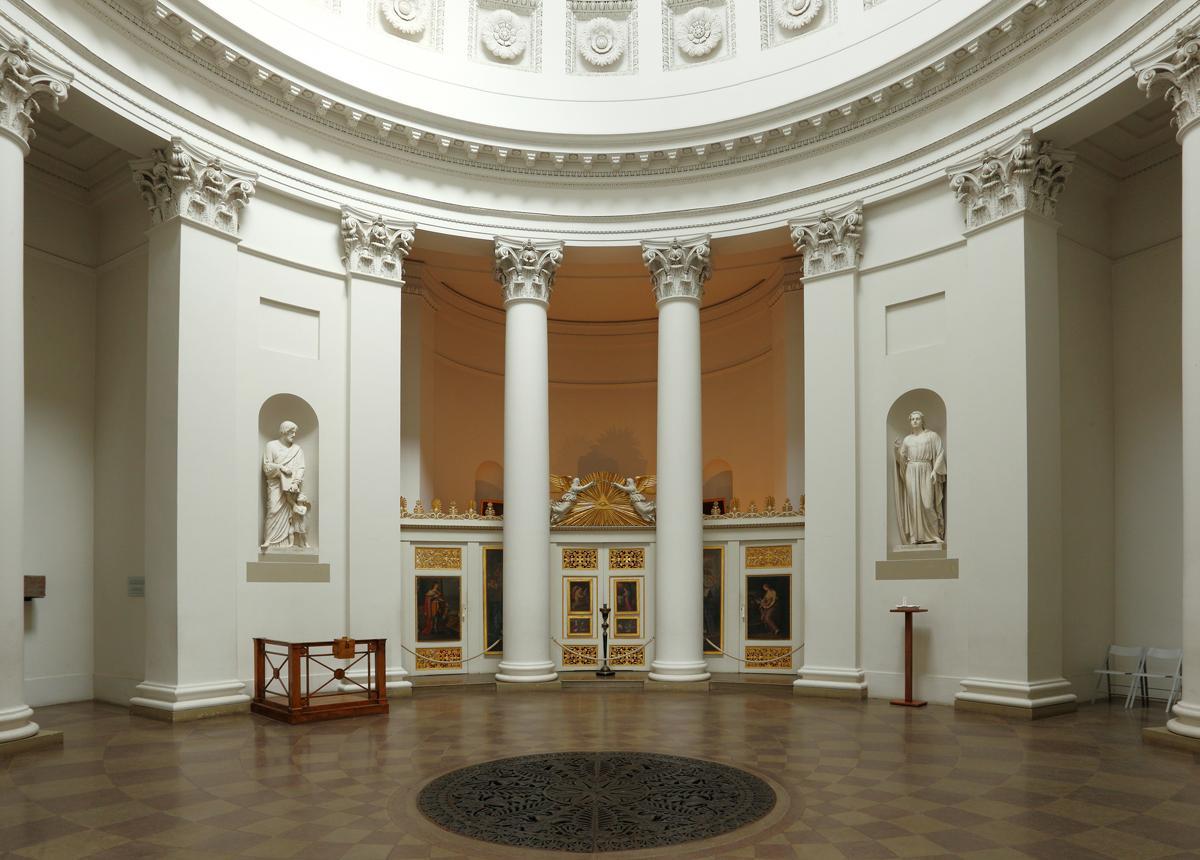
(920, 486)
(287, 507)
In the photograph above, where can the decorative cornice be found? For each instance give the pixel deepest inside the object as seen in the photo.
(831, 242)
(1179, 69)
(678, 268)
(1025, 175)
(525, 270)
(992, 44)
(181, 181)
(26, 82)
(374, 245)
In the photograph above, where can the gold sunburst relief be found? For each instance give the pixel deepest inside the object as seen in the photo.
(602, 503)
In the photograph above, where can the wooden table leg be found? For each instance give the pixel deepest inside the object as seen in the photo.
(908, 701)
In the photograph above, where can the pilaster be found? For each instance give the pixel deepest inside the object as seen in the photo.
(831, 243)
(678, 271)
(373, 251)
(26, 83)
(1008, 506)
(196, 203)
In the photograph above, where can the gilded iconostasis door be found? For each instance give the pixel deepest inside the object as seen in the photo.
(590, 577)
(771, 592)
(437, 620)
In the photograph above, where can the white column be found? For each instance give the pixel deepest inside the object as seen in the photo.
(526, 275)
(792, 310)
(24, 83)
(1007, 497)
(679, 270)
(831, 243)
(192, 568)
(373, 252)
(416, 385)
(1179, 70)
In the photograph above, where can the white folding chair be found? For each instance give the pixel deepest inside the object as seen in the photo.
(1116, 655)
(1172, 657)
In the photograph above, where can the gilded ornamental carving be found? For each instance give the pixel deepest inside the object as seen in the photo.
(580, 558)
(181, 181)
(438, 558)
(627, 558)
(831, 242)
(609, 500)
(25, 85)
(766, 557)
(375, 245)
(768, 657)
(626, 655)
(1179, 70)
(447, 659)
(1025, 175)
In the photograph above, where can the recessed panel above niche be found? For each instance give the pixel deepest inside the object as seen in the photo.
(697, 31)
(602, 37)
(289, 329)
(785, 20)
(507, 33)
(417, 21)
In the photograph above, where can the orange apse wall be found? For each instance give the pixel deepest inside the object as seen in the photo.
(603, 400)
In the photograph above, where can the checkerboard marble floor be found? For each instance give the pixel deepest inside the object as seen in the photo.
(857, 780)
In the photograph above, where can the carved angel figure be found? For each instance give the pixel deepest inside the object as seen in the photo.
(560, 509)
(636, 488)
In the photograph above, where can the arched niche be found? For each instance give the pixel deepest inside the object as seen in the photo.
(489, 484)
(933, 407)
(718, 484)
(275, 410)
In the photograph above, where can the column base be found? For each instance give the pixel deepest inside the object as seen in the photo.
(183, 702)
(679, 671)
(397, 683)
(1028, 700)
(526, 673)
(826, 682)
(15, 724)
(528, 686)
(653, 685)
(1159, 736)
(39, 741)
(1186, 722)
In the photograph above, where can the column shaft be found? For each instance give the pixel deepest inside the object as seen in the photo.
(679, 548)
(526, 507)
(1186, 719)
(15, 722)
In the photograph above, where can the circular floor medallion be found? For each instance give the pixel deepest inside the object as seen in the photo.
(595, 801)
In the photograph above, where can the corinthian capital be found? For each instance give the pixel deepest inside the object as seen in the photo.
(375, 245)
(25, 83)
(678, 268)
(1179, 70)
(525, 270)
(180, 181)
(1027, 175)
(831, 242)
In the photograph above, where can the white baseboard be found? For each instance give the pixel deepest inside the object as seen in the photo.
(939, 689)
(58, 689)
(114, 689)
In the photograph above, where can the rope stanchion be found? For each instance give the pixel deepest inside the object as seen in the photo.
(749, 662)
(641, 648)
(482, 653)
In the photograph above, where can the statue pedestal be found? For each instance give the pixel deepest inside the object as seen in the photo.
(908, 701)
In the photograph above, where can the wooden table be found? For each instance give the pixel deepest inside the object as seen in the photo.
(908, 701)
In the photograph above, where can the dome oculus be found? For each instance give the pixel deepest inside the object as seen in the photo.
(699, 32)
(795, 14)
(601, 42)
(505, 35)
(405, 16)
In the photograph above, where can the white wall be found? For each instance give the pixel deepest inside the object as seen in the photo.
(60, 314)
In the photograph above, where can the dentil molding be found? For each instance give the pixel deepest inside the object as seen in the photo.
(525, 270)
(26, 83)
(830, 242)
(1026, 175)
(375, 245)
(1179, 70)
(678, 268)
(181, 181)
(193, 39)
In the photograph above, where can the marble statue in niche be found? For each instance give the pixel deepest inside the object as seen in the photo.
(285, 526)
(920, 485)
(564, 506)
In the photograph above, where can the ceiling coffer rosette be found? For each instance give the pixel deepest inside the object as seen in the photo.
(408, 17)
(698, 33)
(796, 14)
(505, 35)
(602, 42)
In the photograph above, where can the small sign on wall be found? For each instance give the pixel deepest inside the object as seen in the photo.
(135, 586)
